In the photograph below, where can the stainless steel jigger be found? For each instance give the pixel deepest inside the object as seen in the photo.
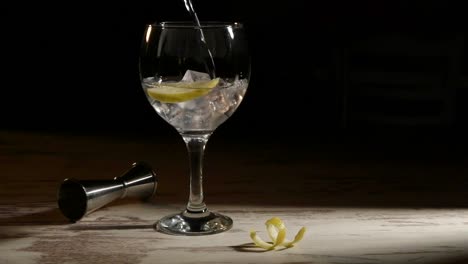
(79, 198)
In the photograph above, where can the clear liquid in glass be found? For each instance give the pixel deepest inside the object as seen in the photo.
(204, 113)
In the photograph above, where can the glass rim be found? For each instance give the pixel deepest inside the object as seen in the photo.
(191, 25)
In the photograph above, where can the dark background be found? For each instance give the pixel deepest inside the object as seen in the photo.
(319, 68)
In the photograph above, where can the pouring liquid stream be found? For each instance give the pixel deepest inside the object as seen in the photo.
(209, 63)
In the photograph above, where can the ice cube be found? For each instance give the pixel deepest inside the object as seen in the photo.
(193, 76)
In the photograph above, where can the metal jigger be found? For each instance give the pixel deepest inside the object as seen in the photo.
(79, 198)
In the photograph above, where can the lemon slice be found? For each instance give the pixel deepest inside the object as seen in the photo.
(277, 233)
(181, 91)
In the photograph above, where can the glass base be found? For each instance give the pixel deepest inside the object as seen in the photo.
(189, 225)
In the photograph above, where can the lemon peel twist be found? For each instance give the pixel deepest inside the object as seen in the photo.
(277, 233)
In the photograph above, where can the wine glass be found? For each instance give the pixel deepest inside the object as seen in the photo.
(195, 77)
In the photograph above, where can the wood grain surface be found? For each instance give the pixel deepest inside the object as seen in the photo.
(359, 205)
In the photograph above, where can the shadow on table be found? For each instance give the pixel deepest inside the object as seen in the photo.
(248, 247)
(109, 227)
(20, 226)
(48, 217)
(338, 175)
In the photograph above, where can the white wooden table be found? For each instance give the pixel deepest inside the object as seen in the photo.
(356, 209)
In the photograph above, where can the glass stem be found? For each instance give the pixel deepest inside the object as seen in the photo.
(196, 206)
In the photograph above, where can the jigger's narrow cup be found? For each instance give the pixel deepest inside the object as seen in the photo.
(78, 198)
